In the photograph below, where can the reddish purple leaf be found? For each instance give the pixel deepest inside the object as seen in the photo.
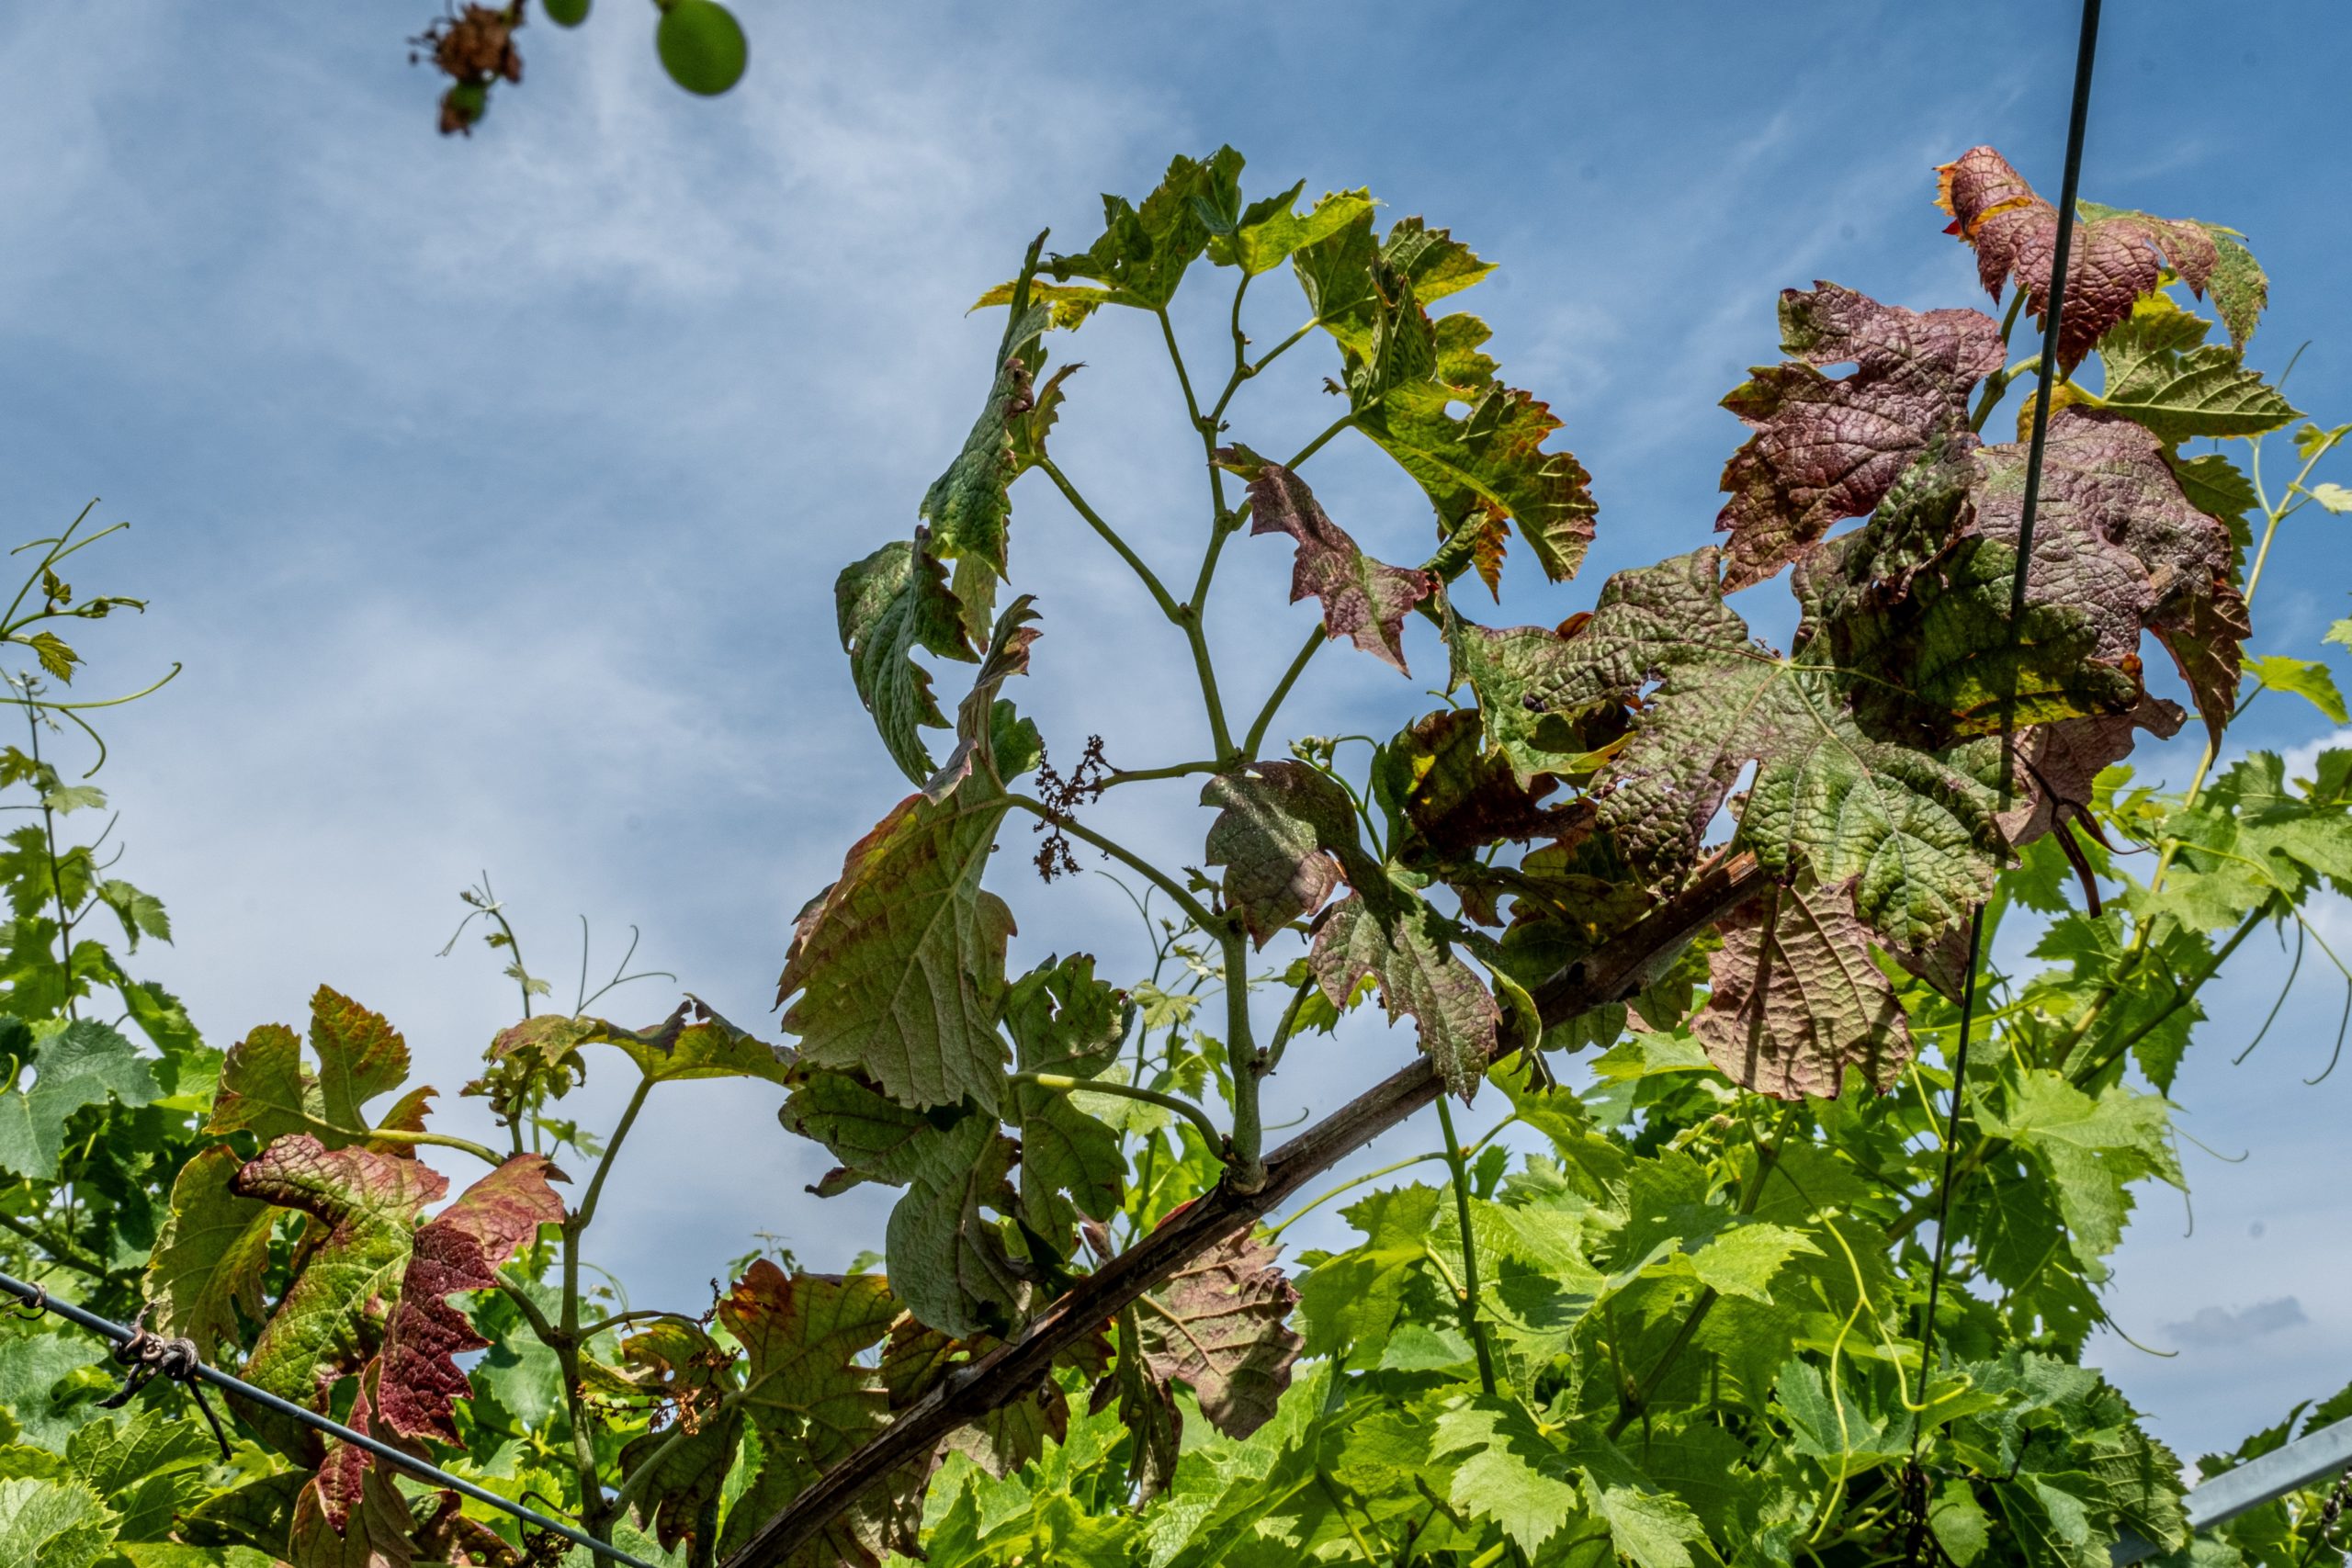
(2116, 256)
(460, 1250)
(1363, 600)
(1828, 449)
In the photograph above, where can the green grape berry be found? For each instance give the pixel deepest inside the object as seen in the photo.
(565, 13)
(701, 46)
(462, 105)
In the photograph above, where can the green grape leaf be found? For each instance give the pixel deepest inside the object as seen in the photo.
(74, 1063)
(1531, 1487)
(142, 913)
(211, 1255)
(2092, 1147)
(331, 1320)
(2117, 257)
(1349, 1303)
(1280, 830)
(1393, 935)
(891, 604)
(265, 1087)
(1065, 1021)
(1828, 449)
(1343, 274)
(54, 655)
(1271, 230)
(814, 1401)
(1479, 468)
(461, 1249)
(53, 1524)
(969, 507)
(1217, 1326)
(899, 965)
(2161, 373)
(2304, 678)
(1363, 600)
(1795, 1001)
(1509, 1472)
(2332, 497)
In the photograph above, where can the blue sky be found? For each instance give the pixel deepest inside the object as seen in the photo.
(492, 492)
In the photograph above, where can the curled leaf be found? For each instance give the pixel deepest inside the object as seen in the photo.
(2116, 256)
(1363, 600)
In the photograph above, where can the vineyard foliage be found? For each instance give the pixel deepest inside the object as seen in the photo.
(1736, 1264)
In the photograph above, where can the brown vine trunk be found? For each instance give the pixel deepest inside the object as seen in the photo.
(1615, 972)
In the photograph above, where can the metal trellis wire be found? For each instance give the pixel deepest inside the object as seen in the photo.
(183, 1366)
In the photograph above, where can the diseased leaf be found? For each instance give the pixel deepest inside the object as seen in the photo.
(352, 1515)
(899, 965)
(331, 1320)
(681, 1465)
(74, 1063)
(1922, 591)
(1217, 1326)
(2116, 257)
(952, 1267)
(1406, 371)
(2114, 531)
(1454, 798)
(1828, 449)
(266, 1089)
(1363, 600)
(461, 1249)
(1795, 999)
(1143, 251)
(1392, 934)
(1276, 836)
(812, 1401)
(891, 604)
(2061, 762)
(1342, 275)
(916, 1359)
(210, 1256)
(1533, 685)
